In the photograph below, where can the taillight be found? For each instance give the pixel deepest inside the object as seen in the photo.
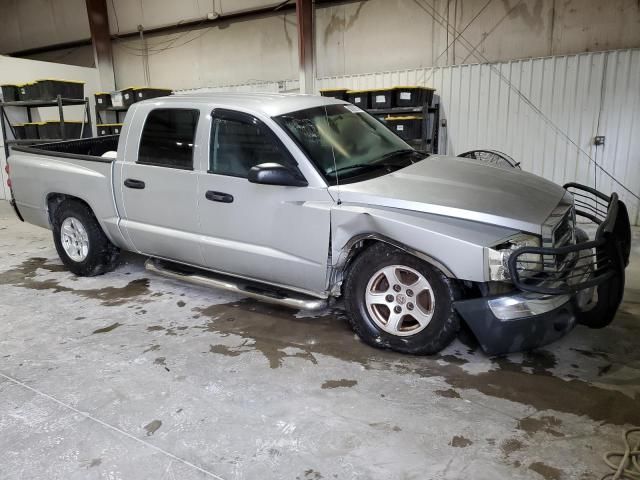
(9, 182)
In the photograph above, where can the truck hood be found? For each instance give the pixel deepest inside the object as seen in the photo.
(460, 188)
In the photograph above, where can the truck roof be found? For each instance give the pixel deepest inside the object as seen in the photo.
(271, 104)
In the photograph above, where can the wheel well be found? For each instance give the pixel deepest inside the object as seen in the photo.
(360, 245)
(54, 200)
(357, 249)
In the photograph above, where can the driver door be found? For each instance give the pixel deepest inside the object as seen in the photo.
(272, 233)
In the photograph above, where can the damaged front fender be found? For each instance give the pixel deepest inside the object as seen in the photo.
(454, 246)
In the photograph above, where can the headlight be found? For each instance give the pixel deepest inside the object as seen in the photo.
(498, 257)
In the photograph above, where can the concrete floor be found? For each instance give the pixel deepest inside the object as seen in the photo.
(130, 376)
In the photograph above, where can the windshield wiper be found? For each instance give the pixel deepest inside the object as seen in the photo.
(397, 153)
(380, 163)
(363, 166)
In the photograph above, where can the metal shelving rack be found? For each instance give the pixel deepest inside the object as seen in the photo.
(430, 121)
(29, 105)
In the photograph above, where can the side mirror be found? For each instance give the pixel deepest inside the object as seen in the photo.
(276, 174)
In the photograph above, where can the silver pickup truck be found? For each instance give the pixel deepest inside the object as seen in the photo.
(299, 200)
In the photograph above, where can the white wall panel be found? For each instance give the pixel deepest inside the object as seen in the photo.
(544, 112)
(126, 15)
(263, 49)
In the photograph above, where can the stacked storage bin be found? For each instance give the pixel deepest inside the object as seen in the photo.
(127, 96)
(52, 130)
(382, 98)
(19, 131)
(45, 89)
(412, 109)
(103, 100)
(145, 93)
(339, 93)
(408, 127)
(50, 88)
(27, 91)
(109, 129)
(31, 130)
(359, 98)
(412, 96)
(10, 93)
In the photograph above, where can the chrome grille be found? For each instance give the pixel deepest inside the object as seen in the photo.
(559, 231)
(559, 228)
(563, 233)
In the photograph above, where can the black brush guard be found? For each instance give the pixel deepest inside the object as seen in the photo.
(598, 263)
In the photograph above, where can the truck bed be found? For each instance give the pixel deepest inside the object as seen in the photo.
(84, 149)
(56, 171)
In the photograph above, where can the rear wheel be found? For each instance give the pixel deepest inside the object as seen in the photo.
(397, 301)
(81, 244)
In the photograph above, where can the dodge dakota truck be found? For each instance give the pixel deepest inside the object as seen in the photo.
(301, 200)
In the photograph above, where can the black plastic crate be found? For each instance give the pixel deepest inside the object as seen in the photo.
(31, 130)
(359, 98)
(128, 97)
(413, 96)
(104, 129)
(10, 93)
(103, 100)
(109, 129)
(27, 91)
(339, 93)
(407, 128)
(19, 132)
(50, 88)
(382, 98)
(145, 93)
(52, 129)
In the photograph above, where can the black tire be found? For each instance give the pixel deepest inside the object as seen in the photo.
(444, 324)
(609, 297)
(102, 256)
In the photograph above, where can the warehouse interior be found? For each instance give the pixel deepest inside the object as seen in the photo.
(135, 374)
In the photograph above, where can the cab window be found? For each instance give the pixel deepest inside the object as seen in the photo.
(168, 137)
(240, 141)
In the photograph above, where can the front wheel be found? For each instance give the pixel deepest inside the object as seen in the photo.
(81, 244)
(396, 301)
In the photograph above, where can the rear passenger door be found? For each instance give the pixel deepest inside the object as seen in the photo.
(159, 184)
(277, 234)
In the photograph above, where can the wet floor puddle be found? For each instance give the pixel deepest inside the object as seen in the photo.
(278, 334)
(25, 275)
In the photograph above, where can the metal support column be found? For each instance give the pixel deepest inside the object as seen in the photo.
(304, 13)
(101, 41)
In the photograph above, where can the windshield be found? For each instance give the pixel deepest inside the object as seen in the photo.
(347, 144)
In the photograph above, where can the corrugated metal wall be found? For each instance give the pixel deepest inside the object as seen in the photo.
(544, 112)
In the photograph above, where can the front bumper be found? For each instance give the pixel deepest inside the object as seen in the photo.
(577, 283)
(517, 322)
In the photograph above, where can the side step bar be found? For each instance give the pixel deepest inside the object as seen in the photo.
(246, 288)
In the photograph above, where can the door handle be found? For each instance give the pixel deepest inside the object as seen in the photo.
(133, 183)
(218, 196)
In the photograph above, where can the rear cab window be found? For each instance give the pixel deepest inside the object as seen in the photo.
(168, 138)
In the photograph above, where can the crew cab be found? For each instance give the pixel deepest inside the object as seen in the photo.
(302, 200)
